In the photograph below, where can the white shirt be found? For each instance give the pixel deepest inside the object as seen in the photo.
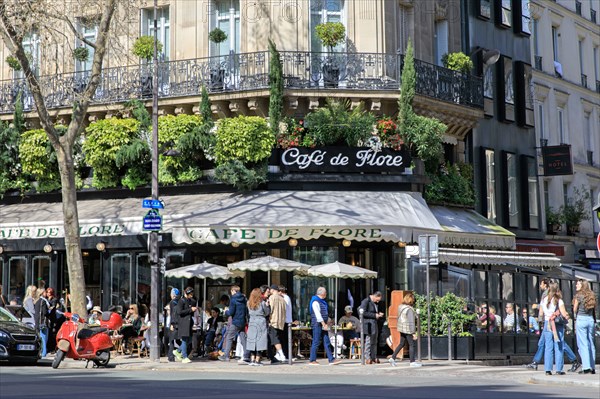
(316, 307)
(288, 308)
(549, 309)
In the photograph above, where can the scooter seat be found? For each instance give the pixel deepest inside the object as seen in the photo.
(89, 332)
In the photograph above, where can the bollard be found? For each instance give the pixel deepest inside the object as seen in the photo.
(362, 336)
(418, 335)
(290, 348)
(449, 341)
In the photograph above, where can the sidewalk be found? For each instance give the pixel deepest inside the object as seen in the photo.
(459, 369)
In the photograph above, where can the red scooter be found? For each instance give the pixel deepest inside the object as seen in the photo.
(77, 340)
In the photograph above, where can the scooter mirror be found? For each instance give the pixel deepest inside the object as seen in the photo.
(75, 317)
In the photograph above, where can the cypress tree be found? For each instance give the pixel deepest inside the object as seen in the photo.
(275, 88)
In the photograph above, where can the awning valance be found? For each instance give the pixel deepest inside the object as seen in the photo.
(465, 227)
(497, 258)
(255, 217)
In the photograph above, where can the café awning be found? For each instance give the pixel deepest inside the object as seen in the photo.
(459, 256)
(254, 217)
(465, 227)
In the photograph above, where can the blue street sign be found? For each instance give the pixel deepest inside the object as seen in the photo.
(152, 221)
(152, 204)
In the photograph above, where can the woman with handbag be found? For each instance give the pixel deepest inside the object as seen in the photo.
(584, 306)
(552, 308)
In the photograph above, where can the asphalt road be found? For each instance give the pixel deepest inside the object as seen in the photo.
(236, 383)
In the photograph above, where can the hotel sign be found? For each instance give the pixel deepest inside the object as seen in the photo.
(557, 160)
(343, 160)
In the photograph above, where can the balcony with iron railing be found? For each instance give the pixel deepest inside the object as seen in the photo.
(235, 73)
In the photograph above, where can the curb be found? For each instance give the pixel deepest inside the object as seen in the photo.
(554, 381)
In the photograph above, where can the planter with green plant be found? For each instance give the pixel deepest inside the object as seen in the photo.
(447, 310)
(331, 34)
(554, 220)
(81, 54)
(576, 209)
(217, 71)
(143, 48)
(458, 61)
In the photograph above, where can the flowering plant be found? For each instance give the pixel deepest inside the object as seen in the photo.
(291, 133)
(386, 127)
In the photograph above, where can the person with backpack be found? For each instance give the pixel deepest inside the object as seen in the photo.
(407, 328)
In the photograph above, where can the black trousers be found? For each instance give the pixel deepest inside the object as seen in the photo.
(404, 339)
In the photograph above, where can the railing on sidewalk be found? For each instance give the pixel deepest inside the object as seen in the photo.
(249, 71)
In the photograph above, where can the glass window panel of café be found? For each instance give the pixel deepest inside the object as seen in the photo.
(175, 260)
(40, 272)
(143, 279)
(306, 287)
(17, 267)
(457, 281)
(120, 277)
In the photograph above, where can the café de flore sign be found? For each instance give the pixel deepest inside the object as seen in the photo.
(344, 160)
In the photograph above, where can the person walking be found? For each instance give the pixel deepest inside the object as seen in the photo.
(276, 323)
(319, 314)
(173, 319)
(584, 306)
(289, 319)
(371, 316)
(537, 358)
(554, 332)
(40, 318)
(407, 328)
(30, 298)
(185, 310)
(238, 315)
(257, 337)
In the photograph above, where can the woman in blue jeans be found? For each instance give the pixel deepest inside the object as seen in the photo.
(584, 306)
(554, 348)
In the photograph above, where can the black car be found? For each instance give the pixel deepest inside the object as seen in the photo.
(18, 342)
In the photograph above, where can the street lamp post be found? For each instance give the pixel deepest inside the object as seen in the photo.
(153, 238)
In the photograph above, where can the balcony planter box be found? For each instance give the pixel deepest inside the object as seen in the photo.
(463, 348)
(331, 75)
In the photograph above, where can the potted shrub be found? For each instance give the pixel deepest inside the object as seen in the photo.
(13, 63)
(143, 48)
(459, 62)
(554, 220)
(447, 309)
(331, 34)
(81, 54)
(576, 210)
(217, 72)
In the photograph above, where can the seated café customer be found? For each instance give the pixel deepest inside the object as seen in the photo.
(94, 319)
(132, 326)
(214, 324)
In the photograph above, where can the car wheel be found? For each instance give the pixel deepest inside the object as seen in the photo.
(58, 358)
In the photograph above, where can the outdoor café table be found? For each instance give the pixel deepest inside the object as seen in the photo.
(302, 335)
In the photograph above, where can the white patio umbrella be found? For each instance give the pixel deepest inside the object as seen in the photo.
(202, 270)
(268, 264)
(339, 270)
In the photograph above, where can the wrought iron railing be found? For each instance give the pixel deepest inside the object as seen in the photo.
(250, 71)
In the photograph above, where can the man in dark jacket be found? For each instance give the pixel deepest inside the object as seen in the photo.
(173, 324)
(371, 315)
(237, 315)
(185, 310)
(41, 313)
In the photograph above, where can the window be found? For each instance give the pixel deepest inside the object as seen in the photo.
(31, 45)
(163, 28)
(565, 193)
(504, 13)
(546, 193)
(578, 7)
(524, 95)
(596, 68)
(484, 9)
(555, 36)
(541, 128)
(511, 190)
(120, 278)
(522, 17)
(17, 267)
(325, 11)
(143, 279)
(40, 270)
(581, 60)
(509, 95)
(488, 82)
(88, 28)
(561, 126)
(490, 185)
(536, 44)
(532, 193)
(440, 44)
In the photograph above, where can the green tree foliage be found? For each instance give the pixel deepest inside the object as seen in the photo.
(135, 157)
(184, 167)
(201, 140)
(39, 160)
(453, 184)
(444, 309)
(245, 138)
(331, 34)
(103, 140)
(275, 88)
(458, 62)
(10, 137)
(421, 134)
(240, 176)
(336, 124)
(143, 47)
